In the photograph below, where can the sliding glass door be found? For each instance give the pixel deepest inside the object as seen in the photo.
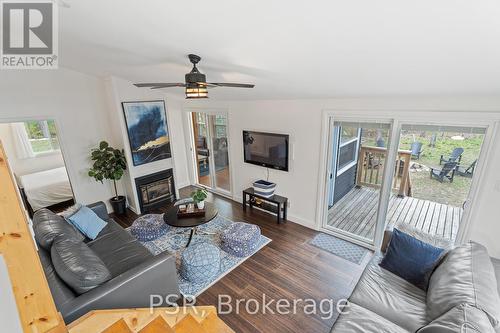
(358, 154)
(425, 182)
(211, 150)
(439, 165)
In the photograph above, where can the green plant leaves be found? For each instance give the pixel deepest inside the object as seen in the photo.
(108, 163)
(199, 195)
(103, 145)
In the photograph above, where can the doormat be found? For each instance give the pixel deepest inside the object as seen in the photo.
(339, 247)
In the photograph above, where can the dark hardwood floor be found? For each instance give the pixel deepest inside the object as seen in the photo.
(287, 268)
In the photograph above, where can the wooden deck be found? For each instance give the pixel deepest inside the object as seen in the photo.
(356, 214)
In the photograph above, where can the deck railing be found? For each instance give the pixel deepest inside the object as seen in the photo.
(371, 163)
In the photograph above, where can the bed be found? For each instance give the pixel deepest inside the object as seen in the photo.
(45, 188)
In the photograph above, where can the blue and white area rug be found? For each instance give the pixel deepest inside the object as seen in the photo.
(175, 242)
(339, 247)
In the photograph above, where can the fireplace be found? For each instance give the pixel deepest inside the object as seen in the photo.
(155, 190)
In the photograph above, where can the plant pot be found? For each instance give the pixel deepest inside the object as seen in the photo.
(119, 205)
(200, 204)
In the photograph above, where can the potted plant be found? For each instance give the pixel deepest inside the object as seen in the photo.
(109, 163)
(199, 197)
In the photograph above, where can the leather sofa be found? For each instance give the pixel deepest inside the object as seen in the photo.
(462, 296)
(134, 273)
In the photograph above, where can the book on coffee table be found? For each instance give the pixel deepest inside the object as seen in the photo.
(189, 210)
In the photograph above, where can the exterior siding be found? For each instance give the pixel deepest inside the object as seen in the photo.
(344, 183)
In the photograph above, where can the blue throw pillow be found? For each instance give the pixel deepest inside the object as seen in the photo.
(87, 222)
(411, 259)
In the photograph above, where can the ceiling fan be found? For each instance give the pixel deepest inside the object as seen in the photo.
(196, 82)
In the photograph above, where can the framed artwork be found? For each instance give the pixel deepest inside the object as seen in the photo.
(147, 131)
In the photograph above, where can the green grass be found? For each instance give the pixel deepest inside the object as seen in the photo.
(41, 146)
(444, 146)
(454, 194)
(423, 187)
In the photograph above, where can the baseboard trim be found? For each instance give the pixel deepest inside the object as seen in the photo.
(132, 209)
(302, 221)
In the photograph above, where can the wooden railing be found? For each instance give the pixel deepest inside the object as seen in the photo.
(371, 163)
(36, 308)
(192, 319)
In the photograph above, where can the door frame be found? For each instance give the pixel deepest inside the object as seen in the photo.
(192, 148)
(470, 118)
(326, 165)
(337, 145)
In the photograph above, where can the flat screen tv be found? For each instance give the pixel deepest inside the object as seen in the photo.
(269, 150)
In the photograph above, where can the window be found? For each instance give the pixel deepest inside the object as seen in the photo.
(348, 133)
(42, 136)
(348, 147)
(220, 126)
(347, 154)
(200, 124)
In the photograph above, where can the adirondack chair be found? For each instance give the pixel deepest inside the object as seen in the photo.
(416, 149)
(455, 156)
(380, 143)
(467, 172)
(441, 174)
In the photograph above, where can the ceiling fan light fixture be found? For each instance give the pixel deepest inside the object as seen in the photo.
(196, 91)
(196, 84)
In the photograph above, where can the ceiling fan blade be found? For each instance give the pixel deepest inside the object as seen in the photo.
(159, 85)
(234, 85)
(207, 84)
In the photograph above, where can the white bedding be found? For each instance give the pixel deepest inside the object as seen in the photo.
(46, 188)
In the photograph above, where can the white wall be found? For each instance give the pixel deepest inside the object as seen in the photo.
(78, 105)
(23, 166)
(87, 111)
(302, 120)
(486, 226)
(120, 90)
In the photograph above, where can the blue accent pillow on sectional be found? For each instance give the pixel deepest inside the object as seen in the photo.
(87, 222)
(411, 259)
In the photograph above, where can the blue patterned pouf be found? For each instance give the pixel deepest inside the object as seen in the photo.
(200, 262)
(240, 239)
(149, 227)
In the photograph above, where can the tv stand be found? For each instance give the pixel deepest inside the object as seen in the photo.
(275, 204)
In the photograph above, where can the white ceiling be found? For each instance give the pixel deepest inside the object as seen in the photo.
(292, 49)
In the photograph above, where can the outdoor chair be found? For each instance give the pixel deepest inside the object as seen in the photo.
(455, 156)
(447, 171)
(467, 172)
(380, 143)
(416, 149)
(373, 163)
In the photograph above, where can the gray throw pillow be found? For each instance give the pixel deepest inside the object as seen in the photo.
(47, 226)
(77, 265)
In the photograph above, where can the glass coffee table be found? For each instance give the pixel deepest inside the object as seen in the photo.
(170, 218)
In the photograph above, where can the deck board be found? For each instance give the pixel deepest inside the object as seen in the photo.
(356, 213)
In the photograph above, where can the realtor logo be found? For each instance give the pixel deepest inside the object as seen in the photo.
(29, 35)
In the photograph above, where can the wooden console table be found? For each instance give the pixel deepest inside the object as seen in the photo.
(275, 204)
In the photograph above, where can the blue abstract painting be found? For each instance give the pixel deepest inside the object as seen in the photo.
(147, 131)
